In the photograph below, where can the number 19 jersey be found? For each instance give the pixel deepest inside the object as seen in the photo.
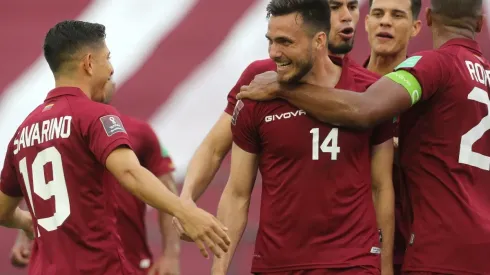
(56, 161)
(445, 159)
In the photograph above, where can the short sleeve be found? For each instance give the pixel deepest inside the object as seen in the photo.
(156, 157)
(243, 127)
(253, 69)
(383, 132)
(105, 133)
(429, 70)
(9, 183)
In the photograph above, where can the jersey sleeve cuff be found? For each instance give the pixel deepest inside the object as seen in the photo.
(409, 82)
(11, 191)
(247, 147)
(122, 141)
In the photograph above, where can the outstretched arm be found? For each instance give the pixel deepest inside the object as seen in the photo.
(235, 201)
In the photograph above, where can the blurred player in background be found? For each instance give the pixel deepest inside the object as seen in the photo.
(316, 214)
(208, 157)
(390, 25)
(57, 158)
(443, 95)
(130, 211)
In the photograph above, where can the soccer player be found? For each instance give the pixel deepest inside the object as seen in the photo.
(208, 157)
(443, 95)
(130, 211)
(57, 158)
(390, 25)
(317, 214)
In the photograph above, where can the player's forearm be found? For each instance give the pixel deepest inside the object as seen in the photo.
(170, 237)
(385, 215)
(17, 219)
(233, 213)
(145, 186)
(202, 168)
(329, 105)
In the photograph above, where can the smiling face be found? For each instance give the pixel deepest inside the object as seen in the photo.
(344, 16)
(390, 25)
(290, 46)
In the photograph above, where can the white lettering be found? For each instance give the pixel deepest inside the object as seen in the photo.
(286, 115)
(478, 73)
(50, 129)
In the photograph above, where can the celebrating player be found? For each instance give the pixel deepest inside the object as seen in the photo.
(130, 211)
(317, 213)
(444, 145)
(390, 25)
(57, 159)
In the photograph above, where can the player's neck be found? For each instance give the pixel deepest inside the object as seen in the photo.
(384, 64)
(441, 35)
(324, 73)
(69, 82)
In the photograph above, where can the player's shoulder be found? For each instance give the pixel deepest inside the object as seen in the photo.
(362, 76)
(91, 110)
(136, 126)
(261, 66)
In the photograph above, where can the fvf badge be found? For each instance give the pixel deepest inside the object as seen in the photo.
(112, 124)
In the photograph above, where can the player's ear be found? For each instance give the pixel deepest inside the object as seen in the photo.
(366, 23)
(417, 26)
(87, 63)
(428, 16)
(320, 40)
(479, 23)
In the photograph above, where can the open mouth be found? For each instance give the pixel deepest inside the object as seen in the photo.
(385, 35)
(283, 64)
(347, 33)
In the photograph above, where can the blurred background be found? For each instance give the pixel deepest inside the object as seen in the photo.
(175, 61)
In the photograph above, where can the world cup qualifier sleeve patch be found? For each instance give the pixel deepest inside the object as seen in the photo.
(112, 125)
(236, 111)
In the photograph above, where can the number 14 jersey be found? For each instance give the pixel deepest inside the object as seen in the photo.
(56, 161)
(316, 207)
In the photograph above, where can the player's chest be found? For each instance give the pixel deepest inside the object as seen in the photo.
(288, 131)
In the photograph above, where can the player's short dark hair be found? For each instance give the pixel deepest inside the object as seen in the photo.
(457, 9)
(315, 13)
(67, 37)
(415, 7)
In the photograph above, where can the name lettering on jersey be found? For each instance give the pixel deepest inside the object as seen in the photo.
(286, 115)
(478, 73)
(40, 132)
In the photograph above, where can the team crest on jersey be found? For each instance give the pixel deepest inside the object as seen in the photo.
(112, 124)
(409, 62)
(236, 111)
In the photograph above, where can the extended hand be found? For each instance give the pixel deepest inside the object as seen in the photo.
(263, 87)
(21, 251)
(180, 230)
(205, 230)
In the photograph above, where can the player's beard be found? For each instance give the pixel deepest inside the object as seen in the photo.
(302, 67)
(342, 48)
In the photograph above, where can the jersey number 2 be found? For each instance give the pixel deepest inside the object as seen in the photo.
(329, 144)
(45, 190)
(466, 153)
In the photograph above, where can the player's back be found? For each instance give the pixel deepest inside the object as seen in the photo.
(57, 153)
(316, 208)
(444, 150)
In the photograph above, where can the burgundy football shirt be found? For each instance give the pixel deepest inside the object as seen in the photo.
(445, 159)
(56, 161)
(316, 208)
(130, 211)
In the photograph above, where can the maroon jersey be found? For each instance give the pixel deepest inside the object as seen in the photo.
(316, 209)
(401, 219)
(56, 161)
(444, 155)
(130, 211)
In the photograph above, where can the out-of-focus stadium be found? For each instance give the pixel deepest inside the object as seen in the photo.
(175, 61)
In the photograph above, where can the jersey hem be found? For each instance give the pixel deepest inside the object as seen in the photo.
(310, 266)
(439, 270)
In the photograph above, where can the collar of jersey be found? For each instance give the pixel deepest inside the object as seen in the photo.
(465, 42)
(64, 91)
